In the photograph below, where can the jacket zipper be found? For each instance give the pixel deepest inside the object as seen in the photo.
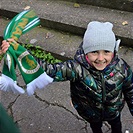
(103, 93)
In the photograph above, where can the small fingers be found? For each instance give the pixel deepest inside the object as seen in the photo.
(4, 47)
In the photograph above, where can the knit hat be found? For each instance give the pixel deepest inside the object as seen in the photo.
(99, 36)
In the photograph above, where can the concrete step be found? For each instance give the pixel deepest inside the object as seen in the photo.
(63, 16)
(124, 5)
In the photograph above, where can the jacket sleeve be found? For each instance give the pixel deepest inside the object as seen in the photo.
(68, 70)
(128, 89)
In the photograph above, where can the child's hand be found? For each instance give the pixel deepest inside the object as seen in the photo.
(5, 45)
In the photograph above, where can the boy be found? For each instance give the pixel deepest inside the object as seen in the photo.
(100, 81)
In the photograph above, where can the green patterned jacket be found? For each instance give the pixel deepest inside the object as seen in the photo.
(96, 95)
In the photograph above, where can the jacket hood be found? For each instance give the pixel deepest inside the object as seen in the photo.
(80, 57)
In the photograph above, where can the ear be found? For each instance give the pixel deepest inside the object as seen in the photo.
(117, 45)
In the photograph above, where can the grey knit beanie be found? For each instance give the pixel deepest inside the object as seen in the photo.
(99, 36)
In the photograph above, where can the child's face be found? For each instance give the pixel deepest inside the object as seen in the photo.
(100, 59)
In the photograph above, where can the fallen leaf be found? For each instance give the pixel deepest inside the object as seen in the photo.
(125, 23)
(76, 5)
(27, 7)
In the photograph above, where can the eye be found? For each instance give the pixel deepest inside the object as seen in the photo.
(94, 52)
(106, 51)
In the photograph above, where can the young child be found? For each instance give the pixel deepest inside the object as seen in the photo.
(100, 80)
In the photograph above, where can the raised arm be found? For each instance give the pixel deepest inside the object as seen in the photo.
(68, 70)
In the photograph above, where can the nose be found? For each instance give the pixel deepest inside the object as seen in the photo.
(100, 57)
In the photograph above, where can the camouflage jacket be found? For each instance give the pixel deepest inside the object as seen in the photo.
(96, 95)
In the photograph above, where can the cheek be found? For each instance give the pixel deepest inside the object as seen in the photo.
(90, 59)
(109, 59)
(112, 56)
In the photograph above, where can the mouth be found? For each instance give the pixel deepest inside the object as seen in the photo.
(100, 63)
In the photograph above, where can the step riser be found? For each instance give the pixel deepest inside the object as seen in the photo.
(124, 5)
